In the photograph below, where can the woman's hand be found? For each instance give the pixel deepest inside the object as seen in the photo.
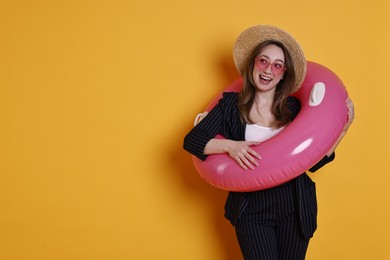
(240, 151)
(351, 114)
(243, 154)
(351, 117)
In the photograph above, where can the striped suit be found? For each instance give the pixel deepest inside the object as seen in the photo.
(276, 223)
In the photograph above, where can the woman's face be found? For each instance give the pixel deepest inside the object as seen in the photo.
(269, 68)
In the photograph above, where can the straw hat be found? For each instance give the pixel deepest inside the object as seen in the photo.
(248, 40)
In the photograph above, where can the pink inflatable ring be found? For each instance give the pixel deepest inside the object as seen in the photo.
(295, 149)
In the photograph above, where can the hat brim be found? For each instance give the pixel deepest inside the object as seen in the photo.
(249, 39)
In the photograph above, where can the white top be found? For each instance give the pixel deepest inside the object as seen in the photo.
(260, 133)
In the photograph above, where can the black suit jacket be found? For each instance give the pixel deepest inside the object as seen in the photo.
(224, 119)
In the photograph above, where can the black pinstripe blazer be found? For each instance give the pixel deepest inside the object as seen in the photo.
(224, 119)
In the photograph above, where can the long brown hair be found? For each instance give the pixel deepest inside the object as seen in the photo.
(285, 86)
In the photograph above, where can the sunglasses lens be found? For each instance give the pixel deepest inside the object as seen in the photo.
(276, 67)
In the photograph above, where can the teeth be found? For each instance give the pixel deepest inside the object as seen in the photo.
(265, 78)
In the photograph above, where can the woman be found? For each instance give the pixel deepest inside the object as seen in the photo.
(276, 223)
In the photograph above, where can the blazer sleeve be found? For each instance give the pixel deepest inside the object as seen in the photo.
(196, 140)
(295, 106)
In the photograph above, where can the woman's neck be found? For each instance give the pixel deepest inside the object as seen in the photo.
(264, 100)
(261, 112)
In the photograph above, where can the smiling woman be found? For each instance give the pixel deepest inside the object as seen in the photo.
(263, 204)
(296, 148)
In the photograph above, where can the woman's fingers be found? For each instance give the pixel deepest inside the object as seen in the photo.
(243, 162)
(351, 110)
(248, 159)
(351, 113)
(254, 153)
(244, 155)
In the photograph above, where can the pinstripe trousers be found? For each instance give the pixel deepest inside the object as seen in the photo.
(269, 228)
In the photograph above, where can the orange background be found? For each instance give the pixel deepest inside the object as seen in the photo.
(96, 97)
